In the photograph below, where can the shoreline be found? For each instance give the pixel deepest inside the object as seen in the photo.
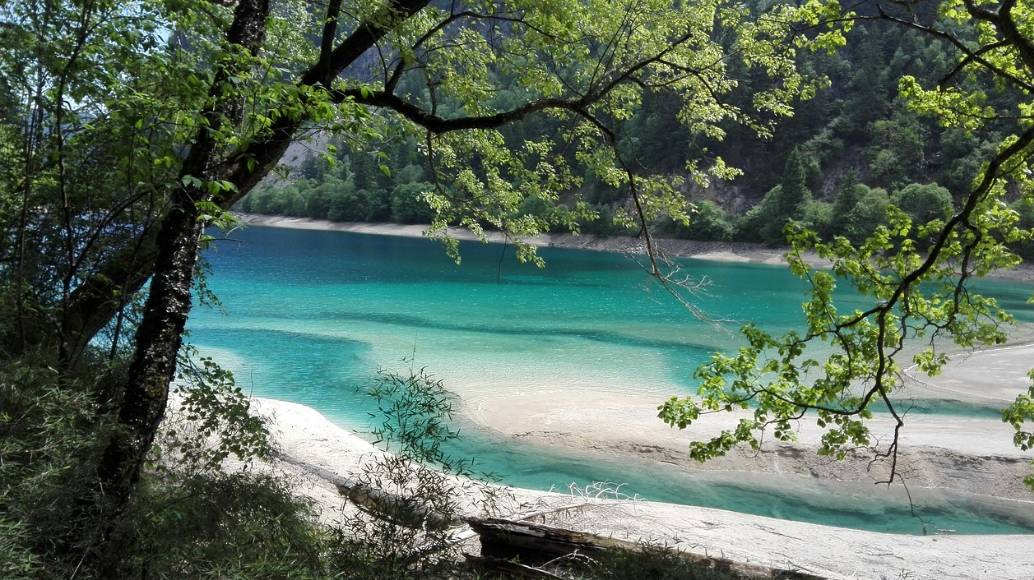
(317, 452)
(949, 458)
(729, 252)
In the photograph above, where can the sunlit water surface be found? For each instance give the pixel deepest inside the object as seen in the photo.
(310, 316)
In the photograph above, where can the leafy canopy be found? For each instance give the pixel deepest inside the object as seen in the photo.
(914, 269)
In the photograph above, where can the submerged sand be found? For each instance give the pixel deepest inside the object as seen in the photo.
(942, 455)
(317, 451)
(969, 455)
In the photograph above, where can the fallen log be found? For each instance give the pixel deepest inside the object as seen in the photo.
(402, 510)
(508, 568)
(536, 544)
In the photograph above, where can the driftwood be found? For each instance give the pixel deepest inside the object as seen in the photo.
(508, 568)
(537, 544)
(395, 508)
(514, 549)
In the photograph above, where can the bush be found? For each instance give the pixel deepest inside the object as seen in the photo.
(50, 442)
(868, 213)
(258, 201)
(845, 200)
(765, 221)
(187, 520)
(605, 224)
(1025, 207)
(709, 223)
(319, 198)
(897, 151)
(218, 525)
(17, 562)
(534, 206)
(348, 205)
(408, 205)
(818, 216)
(751, 225)
(407, 532)
(925, 203)
(378, 204)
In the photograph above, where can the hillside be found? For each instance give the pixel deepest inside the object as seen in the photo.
(835, 165)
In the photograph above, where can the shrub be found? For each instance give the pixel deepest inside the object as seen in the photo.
(925, 203)
(17, 562)
(50, 442)
(378, 204)
(348, 205)
(1025, 207)
(709, 223)
(319, 198)
(765, 221)
(408, 205)
(897, 151)
(751, 225)
(222, 525)
(818, 216)
(868, 213)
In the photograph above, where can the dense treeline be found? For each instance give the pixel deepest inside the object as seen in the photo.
(129, 129)
(357, 186)
(835, 166)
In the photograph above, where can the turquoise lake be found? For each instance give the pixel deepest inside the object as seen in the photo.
(310, 316)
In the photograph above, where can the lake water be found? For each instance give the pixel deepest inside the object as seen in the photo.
(310, 316)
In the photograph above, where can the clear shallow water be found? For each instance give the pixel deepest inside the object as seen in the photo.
(310, 316)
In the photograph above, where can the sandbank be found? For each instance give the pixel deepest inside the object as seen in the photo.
(316, 448)
(964, 456)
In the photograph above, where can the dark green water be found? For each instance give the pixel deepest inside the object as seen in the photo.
(310, 316)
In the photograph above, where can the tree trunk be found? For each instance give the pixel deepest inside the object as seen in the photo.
(158, 341)
(97, 299)
(160, 335)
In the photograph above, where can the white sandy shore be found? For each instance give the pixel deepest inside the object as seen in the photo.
(741, 252)
(970, 457)
(957, 457)
(314, 445)
(992, 376)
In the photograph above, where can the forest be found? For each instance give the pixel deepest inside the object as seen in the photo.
(834, 166)
(892, 140)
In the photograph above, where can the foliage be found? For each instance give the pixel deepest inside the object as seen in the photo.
(17, 562)
(49, 438)
(708, 222)
(925, 203)
(214, 421)
(49, 442)
(918, 291)
(898, 150)
(869, 212)
(409, 203)
(129, 126)
(137, 124)
(859, 126)
(1024, 206)
(223, 525)
(405, 527)
(1018, 415)
(819, 217)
